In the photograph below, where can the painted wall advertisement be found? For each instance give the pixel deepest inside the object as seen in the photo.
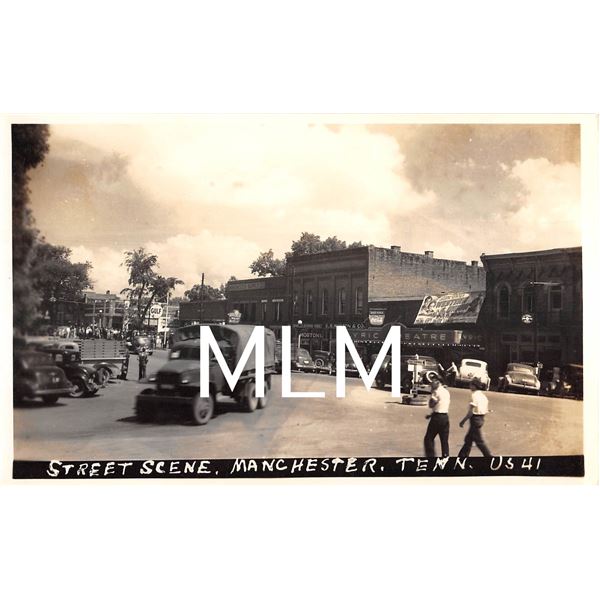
(462, 307)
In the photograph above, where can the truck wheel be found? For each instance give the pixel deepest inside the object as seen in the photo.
(79, 388)
(102, 376)
(262, 402)
(202, 409)
(50, 399)
(249, 399)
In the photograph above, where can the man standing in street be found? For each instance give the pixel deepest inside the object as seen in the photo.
(439, 423)
(478, 408)
(143, 361)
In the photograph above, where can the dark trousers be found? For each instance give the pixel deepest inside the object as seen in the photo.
(142, 369)
(439, 424)
(474, 435)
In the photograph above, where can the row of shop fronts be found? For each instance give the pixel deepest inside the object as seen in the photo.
(519, 307)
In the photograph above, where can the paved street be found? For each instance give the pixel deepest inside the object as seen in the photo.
(362, 424)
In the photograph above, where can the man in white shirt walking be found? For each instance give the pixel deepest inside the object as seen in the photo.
(439, 423)
(478, 408)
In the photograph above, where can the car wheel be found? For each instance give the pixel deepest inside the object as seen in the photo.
(202, 409)
(249, 399)
(380, 384)
(319, 363)
(50, 399)
(79, 388)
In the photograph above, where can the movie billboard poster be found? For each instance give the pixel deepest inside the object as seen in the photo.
(450, 308)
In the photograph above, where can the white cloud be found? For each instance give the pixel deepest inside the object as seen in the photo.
(549, 209)
(181, 256)
(265, 181)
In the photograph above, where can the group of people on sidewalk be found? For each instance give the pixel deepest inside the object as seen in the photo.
(439, 422)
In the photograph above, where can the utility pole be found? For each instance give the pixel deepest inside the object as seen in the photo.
(202, 299)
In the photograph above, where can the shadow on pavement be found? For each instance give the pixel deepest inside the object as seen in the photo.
(179, 415)
(36, 404)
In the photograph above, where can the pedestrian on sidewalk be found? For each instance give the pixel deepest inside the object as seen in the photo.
(439, 423)
(478, 408)
(142, 361)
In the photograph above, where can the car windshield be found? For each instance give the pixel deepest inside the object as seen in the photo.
(37, 360)
(302, 353)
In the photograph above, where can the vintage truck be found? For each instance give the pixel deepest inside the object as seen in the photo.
(108, 358)
(177, 382)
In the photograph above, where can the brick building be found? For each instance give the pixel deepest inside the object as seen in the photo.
(546, 286)
(366, 287)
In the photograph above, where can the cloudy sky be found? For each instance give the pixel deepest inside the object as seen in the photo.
(210, 195)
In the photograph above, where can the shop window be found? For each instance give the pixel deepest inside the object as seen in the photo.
(264, 311)
(503, 302)
(342, 301)
(509, 337)
(358, 301)
(324, 302)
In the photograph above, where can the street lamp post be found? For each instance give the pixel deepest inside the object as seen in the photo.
(535, 313)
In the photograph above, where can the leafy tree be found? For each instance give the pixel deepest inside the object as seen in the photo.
(29, 147)
(309, 243)
(195, 294)
(267, 265)
(145, 285)
(53, 275)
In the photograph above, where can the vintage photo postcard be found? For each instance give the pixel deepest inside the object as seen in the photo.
(301, 297)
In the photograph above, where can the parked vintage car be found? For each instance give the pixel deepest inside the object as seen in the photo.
(324, 360)
(519, 377)
(302, 360)
(565, 381)
(83, 378)
(430, 368)
(471, 368)
(35, 375)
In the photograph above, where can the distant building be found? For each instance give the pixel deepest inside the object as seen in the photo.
(534, 308)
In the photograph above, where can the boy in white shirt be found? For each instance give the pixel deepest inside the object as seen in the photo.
(478, 408)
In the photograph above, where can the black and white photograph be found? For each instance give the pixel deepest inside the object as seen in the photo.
(416, 287)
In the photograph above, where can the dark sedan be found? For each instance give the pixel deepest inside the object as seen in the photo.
(519, 377)
(37, 376)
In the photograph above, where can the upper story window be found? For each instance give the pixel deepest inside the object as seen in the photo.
(296, 308)
(556, 300)
(503, 302)
(528, 300)
(325, 302)
(342, 301)
(358, 301)
(309, 302)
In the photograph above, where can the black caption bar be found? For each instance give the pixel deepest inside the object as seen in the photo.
(255, 468)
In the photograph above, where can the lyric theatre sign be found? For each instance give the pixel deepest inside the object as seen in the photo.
(256, 343)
